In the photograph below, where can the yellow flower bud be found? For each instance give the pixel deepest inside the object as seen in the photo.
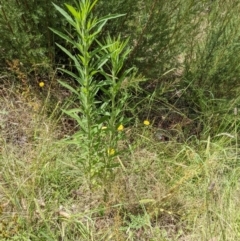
(146, 123)
(120, 128)
(111, 152)
(41, 84)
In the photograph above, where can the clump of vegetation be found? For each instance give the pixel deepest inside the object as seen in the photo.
(99, 120)
(146, 147)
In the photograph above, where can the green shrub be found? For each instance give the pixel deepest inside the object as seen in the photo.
(157, 31)
(211, 66)
(212, 62)
(25, 34)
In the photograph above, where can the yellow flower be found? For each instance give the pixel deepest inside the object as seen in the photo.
(104, 127)
(146, 123)
(120, 128)
(111, 152)
(41, 84)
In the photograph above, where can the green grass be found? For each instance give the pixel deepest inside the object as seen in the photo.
(176, 179)
(162, 190)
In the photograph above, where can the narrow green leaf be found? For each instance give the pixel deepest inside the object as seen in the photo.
(63, 36)
(76, 62)
(75, 110)
(69, 73)
(92, 5)
(76, 117)
(65, 14)
(67, 86)
(108, 17)
(73, 11)
(67, 52)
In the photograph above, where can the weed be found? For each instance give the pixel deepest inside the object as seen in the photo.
(92, 115)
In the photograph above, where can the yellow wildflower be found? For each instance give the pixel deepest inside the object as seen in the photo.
(120, 128)
(41, 84)
(111, 152)
(146, 123)
(104, 127)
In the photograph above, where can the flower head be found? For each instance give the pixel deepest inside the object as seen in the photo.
(120, 128)
(104, 127)
(146, 123)
(41, 84)
(111, 152)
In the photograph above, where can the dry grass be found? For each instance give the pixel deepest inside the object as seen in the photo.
(163, 190)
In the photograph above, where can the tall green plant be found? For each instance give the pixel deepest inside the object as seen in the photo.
(100, 120)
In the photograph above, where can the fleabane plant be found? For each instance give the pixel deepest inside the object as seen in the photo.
(100, 121)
